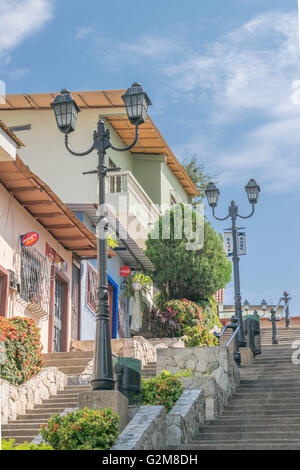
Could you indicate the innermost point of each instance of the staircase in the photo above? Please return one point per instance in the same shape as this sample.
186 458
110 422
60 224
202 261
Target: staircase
27 426
265 411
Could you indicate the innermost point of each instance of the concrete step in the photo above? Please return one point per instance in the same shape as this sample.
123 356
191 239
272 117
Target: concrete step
246 445
250 428
9 434
69 355
255 420
21 425
249 436
67 362
57 404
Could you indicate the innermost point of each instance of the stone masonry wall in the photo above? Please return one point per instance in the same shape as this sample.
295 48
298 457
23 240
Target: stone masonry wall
214 362
16 401
146 431
186 417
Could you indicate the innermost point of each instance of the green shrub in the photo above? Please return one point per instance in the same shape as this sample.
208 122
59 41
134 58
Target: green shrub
199 336
82 430
9 445
23 350
193 323
165 389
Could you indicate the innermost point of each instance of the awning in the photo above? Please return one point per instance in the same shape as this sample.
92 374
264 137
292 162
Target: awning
41 202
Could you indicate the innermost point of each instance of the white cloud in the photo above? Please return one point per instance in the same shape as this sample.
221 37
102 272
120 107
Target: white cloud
253 122
20 18
83 31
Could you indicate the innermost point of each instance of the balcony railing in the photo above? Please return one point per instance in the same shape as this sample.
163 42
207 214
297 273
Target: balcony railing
138 204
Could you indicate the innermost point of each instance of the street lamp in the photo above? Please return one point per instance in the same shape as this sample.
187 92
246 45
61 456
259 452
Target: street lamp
246 305
212 194
264 306
66 113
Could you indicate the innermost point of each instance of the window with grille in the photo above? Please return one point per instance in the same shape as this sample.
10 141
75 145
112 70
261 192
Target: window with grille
35 278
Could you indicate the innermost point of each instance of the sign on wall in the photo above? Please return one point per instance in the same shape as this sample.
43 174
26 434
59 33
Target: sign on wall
241 243
29 238
56 259
125 271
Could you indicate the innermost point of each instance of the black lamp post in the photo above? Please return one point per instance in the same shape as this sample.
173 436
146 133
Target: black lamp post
212 194
286 298
66 112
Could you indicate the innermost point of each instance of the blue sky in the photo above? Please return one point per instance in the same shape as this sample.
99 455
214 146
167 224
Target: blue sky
223 77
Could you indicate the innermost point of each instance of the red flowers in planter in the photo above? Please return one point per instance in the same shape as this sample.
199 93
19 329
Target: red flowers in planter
23 349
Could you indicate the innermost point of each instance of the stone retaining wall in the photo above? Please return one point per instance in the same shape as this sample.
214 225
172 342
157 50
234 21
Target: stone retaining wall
16 401
186 417
214 395
146 431
216 362
136 347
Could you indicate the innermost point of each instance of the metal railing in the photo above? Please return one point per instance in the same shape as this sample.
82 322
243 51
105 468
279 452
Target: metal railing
234 325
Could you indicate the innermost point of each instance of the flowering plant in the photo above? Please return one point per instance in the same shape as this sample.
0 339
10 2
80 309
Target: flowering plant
82 430
165 389
192 322
23 350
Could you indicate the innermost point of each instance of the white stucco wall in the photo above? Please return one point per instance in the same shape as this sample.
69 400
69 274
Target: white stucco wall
16 221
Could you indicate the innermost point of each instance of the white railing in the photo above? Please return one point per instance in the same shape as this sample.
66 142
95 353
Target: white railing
123 182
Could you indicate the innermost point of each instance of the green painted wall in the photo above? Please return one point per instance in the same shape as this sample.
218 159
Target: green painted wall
147 170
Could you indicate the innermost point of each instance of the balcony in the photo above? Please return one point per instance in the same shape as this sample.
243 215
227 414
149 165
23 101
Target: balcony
131 205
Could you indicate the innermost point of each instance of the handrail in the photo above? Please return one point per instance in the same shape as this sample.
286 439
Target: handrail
233 336
234 325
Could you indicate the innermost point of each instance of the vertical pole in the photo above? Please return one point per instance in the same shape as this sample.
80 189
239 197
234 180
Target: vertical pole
287 310
274 328
103 370
237 293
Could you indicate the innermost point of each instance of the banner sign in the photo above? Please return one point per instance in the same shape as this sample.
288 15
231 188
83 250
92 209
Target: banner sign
241 243
228 243
56 259
29 239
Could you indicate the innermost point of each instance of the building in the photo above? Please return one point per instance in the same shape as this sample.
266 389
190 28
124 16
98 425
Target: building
39 261
150 181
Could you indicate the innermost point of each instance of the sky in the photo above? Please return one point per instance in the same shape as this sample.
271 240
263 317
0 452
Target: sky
224 80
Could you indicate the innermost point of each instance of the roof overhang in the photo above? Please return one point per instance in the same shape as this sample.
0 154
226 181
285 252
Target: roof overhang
44 206
110 104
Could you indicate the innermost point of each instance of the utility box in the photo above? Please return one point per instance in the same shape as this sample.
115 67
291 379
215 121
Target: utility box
252 332
129 379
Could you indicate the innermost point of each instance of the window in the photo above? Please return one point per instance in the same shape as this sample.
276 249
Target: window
35 278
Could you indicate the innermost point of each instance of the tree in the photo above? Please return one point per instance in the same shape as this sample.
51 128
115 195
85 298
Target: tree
197 174
182 273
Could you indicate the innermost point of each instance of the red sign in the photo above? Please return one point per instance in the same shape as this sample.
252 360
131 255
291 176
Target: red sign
125 271
29 239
